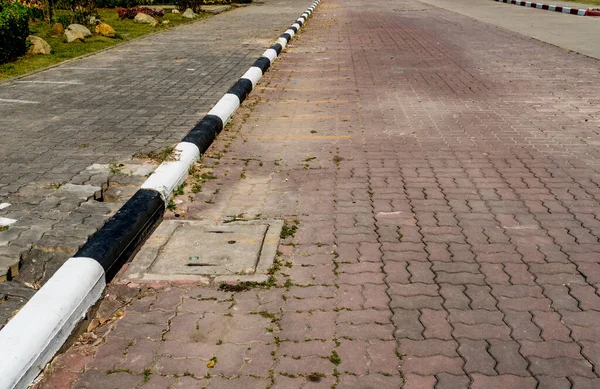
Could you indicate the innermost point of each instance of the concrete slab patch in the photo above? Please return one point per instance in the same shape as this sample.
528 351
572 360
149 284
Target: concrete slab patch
204 251
84 192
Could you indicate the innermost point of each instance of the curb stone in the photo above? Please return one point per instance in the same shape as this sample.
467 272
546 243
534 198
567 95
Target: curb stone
30 340
557 8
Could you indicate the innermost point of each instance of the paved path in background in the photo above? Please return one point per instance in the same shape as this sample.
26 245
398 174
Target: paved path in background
577 33
136 98
444 177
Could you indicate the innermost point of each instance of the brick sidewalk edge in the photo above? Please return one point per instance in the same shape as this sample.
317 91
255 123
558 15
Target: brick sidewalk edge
557 8
30 340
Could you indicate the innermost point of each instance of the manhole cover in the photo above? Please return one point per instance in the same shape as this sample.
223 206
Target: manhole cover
187 250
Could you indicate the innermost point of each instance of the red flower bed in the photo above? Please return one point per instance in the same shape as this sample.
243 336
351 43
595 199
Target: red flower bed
130 13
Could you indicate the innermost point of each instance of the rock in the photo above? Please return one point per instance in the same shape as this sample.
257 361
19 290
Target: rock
145 19
57 29
38 46
164 22
175 11
83 30
73 36
189 14
105 30
215 9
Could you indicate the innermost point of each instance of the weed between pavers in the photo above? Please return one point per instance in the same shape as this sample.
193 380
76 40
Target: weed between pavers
171 206
315 376
115 168
289 229
247 285
335 358
158 156
115 371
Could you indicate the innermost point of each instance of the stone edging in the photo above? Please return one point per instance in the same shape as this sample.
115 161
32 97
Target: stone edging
557 8
38 331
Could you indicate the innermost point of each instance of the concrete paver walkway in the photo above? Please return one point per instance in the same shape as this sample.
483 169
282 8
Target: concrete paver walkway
57 125
444 178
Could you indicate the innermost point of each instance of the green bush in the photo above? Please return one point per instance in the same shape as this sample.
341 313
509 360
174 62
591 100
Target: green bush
14 30
195 4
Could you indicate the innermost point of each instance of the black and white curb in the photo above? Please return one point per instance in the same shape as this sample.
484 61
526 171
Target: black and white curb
30 340
549 7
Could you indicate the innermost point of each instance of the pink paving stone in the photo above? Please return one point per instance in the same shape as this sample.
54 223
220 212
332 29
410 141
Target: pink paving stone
419 382
361 278
305 349
140 356
428 348
103 379
432 365
181 366
308 304
503 382
369 382
383 357
304 366
159 382
364 316
59 379
238 383
350 297
190 382
353 354
283 382
436 324
375 296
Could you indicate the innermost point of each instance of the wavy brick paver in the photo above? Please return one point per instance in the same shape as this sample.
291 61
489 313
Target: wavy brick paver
444 176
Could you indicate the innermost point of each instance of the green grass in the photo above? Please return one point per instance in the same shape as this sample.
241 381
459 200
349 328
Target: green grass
593 2
61 51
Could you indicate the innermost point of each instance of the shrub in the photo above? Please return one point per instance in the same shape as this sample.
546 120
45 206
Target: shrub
130 13
118 3
81 10
195 4
14 30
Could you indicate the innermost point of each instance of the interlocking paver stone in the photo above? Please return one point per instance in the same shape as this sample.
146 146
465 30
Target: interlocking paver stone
443 173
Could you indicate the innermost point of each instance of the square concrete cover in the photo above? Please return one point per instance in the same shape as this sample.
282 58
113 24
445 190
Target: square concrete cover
186 249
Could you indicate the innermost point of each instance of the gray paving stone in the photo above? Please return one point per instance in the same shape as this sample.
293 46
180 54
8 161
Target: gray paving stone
147 95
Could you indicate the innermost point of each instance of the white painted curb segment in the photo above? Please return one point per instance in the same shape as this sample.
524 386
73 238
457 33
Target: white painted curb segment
226 107
170 174
28 343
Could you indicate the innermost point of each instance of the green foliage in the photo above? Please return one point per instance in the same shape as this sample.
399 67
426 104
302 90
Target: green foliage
81 10
14 29
62 51
195 4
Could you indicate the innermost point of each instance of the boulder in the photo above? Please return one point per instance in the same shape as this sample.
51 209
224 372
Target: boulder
38 46
189 14
57 29
215 9
105 30
83 30
145 19
175 11
73 36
